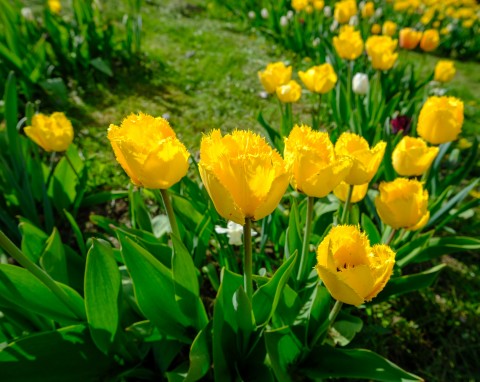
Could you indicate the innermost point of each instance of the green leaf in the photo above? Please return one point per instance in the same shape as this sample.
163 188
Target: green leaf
20 288
33 240
138 211
200 355
371 230
265 299
294 240
330 362
102 294
410 283
438 246
154 290
53 259
78 233
66 354
409 251
102 66
102 197
318 309
345 328
11 110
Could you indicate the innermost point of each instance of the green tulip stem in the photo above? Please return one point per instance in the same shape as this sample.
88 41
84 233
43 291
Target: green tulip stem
171 215
247 260
334 312
71 164
306 239
36 271
51 168
347 204
390 238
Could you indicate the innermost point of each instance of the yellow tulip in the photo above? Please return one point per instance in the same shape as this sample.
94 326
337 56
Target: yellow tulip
290 92
319 79
389 28
409 38
149 151
344 10
444 71
365 160
359 192
412 156
430 40
352 270
368 9
318 4
440 119
403 203
380 50
54 6
243 175
51 133
299 5
375 29
311 162
349 43
276 74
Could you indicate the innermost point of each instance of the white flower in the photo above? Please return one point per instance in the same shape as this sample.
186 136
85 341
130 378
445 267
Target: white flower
378 12
334 26
353 21
284 21
251 15
327 11
316 42
361 5
27 13
290 14
360 83
234 233
264 13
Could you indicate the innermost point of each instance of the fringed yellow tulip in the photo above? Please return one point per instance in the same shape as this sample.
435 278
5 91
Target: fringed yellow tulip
403 203
365 160
290 92
276 74
349 43
412 156
311 162
389 28
440 119
243 175
409 38
344 10
430 40
368 9
380 50
299 5
51 133
444 71
319 79
149 151
359 192
352 270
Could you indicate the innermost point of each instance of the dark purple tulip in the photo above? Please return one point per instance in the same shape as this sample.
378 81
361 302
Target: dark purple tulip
401 123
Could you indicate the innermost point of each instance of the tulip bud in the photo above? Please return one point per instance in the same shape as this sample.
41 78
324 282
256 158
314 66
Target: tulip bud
327 11
360 83
401 123
283 21
290 92
444 71
251 15
27 14
51 133
412 156
264 13
430 40
319 79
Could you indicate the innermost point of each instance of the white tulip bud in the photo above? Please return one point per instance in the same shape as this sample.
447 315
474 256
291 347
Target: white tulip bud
353 21
251 15
316 42
327 11
264 13
27 14
378 12
360 83
290 14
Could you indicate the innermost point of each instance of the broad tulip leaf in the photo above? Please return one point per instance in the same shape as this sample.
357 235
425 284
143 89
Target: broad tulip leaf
102 294
20 288
66 354
329 362
317 310
410 283
77 231
154 290
294 237
438 246
371 230
409 251
265 299
200 355
138 211
288 307
345 328
53 259
33 240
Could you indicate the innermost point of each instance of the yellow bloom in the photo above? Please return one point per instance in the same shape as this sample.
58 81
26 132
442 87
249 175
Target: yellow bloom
409 38
403 203
352 270
51 133
344 10
380 49
365 160
276 74
440 119
464 144
444 31
389 28
368 9
318 4
375 29
290 92
319 79
359 192
149 151
55 6
412 156
444 71
349 43
311 162
299 5
468 23
243 175
430 40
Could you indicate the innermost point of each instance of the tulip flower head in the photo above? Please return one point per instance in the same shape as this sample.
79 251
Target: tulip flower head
243 175
311 162
319 79
276 74
360 83
299 5
349 43
430 40
412 156
389 28
54 6
290 92
440 119
359 192
409 38
365 160
380 50
344 10
403 203
352 270
368 9
234 233
444 71
51 133
149 151
401 123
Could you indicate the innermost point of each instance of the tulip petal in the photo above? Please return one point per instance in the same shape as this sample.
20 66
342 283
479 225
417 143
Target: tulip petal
338 288
422 223
273 197
325 180
381 267
359 278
